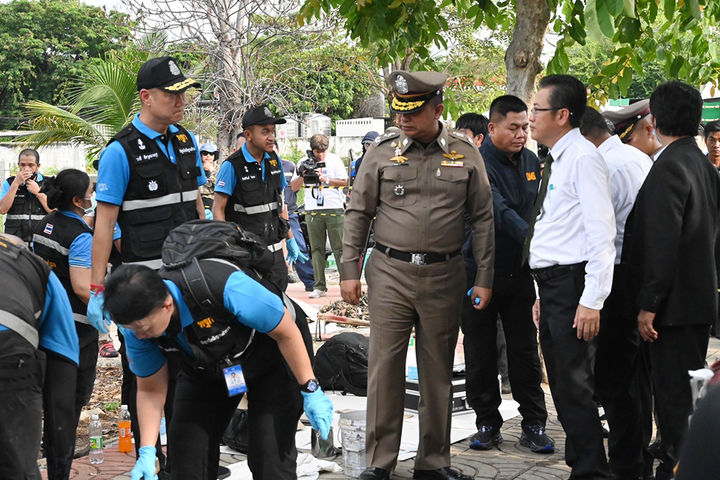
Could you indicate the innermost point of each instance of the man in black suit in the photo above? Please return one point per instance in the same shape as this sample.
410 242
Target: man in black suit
671 238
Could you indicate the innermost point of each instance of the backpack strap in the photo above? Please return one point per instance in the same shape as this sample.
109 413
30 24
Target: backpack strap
197 286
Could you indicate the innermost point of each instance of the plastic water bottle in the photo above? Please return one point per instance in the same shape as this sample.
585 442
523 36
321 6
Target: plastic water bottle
96 440
125 440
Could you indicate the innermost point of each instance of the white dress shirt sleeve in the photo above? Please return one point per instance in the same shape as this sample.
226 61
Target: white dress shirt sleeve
593 189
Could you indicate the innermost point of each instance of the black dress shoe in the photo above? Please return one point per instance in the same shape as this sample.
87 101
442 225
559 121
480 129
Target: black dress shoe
374 473
445 473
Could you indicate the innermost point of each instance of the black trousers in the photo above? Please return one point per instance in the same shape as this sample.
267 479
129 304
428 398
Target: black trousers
512 301
622 383
203 410
67 390
569 363
279 273
676 350
21 375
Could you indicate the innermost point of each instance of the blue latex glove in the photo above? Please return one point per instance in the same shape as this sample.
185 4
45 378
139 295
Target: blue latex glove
294 253
96 314
469 294
319 410
144 468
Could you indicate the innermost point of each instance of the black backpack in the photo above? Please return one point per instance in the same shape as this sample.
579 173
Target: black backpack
342 363
215 239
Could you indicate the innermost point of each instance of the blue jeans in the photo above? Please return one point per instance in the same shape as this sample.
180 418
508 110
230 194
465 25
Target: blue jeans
304 270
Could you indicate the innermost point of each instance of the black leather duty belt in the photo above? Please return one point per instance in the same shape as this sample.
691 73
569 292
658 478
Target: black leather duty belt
416 258
547 273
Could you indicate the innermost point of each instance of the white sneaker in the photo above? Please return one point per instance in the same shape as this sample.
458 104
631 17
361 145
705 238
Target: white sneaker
317 294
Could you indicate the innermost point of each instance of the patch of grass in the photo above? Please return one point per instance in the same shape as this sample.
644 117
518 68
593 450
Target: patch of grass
111 406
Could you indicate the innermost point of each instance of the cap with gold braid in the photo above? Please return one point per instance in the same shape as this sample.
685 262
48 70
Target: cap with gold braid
163 73
412 90
626 118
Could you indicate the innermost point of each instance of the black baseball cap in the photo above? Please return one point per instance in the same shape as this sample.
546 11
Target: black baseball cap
260 115
163 73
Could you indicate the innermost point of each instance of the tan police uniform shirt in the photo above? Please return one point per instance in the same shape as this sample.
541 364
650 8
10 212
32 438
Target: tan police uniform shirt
418 196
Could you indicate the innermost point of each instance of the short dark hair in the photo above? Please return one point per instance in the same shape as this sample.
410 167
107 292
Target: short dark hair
30 151
68 184
504 104
319 142
677 109
566 92
132 292
474 122
593 123
712 127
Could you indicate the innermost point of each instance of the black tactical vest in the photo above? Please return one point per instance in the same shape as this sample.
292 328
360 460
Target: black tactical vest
51 240
216 338
22 297
255 204
26 212
160 194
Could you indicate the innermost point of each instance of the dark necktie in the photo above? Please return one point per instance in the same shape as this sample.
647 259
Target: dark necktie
537 207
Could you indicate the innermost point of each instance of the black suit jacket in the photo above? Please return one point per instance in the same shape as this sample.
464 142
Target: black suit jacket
671 238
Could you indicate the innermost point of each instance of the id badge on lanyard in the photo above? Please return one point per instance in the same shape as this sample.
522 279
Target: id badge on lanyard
234 380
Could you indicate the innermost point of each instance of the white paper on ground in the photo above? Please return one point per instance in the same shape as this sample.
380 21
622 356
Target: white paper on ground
463 425
308 468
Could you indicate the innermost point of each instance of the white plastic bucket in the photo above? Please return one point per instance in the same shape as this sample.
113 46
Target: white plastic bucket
352 437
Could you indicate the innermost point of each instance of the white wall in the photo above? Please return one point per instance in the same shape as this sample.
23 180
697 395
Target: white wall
58 157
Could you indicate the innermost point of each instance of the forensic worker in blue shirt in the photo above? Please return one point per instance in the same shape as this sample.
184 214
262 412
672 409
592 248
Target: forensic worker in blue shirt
249 191
148 175
38 356
21 201
148 179
64 241
253 334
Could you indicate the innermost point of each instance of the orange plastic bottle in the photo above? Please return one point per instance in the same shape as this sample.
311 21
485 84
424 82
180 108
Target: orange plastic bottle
125 442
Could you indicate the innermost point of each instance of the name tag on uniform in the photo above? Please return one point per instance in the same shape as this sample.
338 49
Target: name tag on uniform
449 163
234 380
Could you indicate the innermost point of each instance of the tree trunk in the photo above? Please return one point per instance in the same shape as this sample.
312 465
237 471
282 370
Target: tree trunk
522 57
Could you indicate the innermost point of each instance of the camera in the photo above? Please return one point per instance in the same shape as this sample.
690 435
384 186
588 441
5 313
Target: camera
307 169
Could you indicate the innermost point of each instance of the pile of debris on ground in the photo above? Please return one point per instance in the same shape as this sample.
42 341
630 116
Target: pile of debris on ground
344 313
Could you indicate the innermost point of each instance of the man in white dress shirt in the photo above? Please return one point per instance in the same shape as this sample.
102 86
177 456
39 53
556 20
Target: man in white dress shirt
571 254
619 371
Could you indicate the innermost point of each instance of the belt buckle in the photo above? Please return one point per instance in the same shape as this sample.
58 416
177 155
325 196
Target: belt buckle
417 258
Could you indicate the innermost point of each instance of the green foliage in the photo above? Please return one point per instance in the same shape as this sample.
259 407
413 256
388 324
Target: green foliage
321 74
102 100
45 43
646 41
678 34
111 407
588 61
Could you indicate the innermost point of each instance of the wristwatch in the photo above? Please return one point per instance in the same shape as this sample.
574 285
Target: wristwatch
310 386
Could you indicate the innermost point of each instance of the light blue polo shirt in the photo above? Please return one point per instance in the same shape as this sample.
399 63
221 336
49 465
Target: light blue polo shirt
114 171
252 304
226 181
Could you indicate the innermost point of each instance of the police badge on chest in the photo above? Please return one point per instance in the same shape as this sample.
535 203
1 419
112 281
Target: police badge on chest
152 185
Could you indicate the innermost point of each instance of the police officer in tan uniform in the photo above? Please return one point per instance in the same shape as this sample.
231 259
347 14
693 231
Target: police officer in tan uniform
417 183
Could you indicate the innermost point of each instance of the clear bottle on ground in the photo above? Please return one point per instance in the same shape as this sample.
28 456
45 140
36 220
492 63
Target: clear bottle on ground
96 440
125 439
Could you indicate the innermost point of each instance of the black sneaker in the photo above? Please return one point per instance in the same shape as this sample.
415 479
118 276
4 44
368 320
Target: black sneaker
535 438
485 438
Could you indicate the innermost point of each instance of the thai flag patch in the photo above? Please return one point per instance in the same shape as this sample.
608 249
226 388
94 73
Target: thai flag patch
221 183
48 228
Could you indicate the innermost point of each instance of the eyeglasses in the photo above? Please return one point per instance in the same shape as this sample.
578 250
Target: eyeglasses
207 153
535 110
